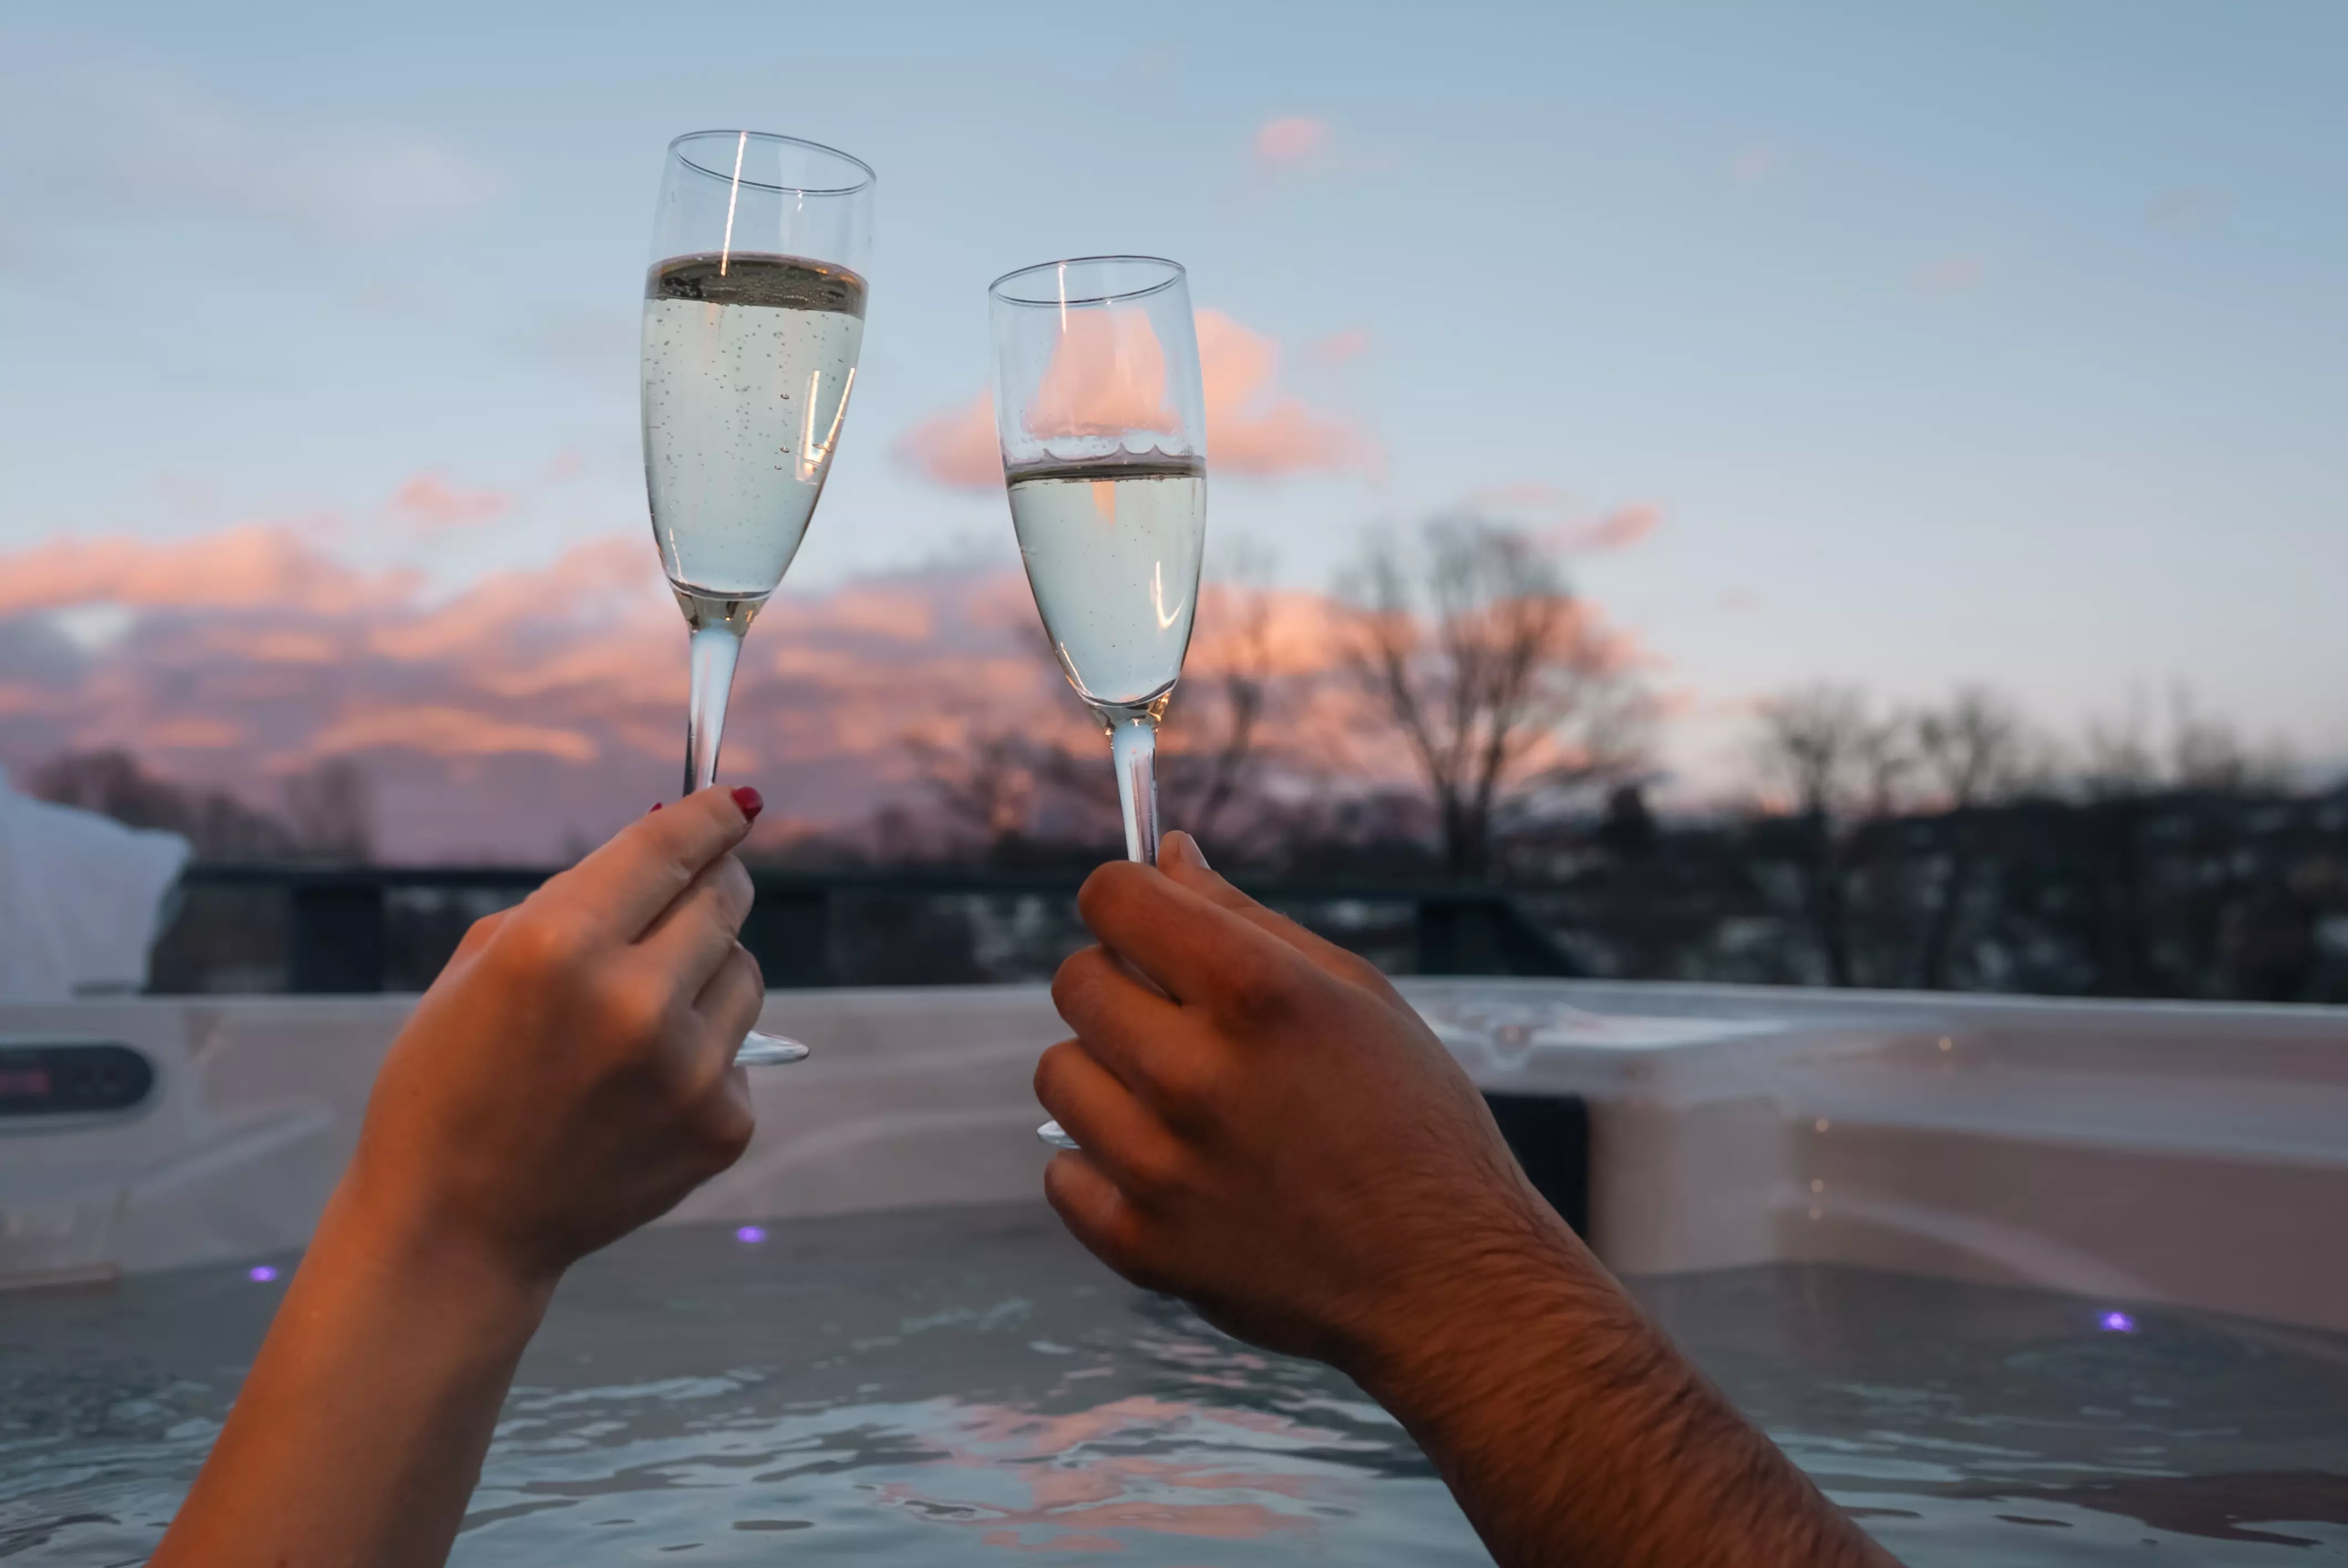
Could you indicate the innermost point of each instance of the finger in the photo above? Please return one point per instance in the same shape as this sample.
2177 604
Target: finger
696 933
476 937
1126 1024
1184 862
728 1007
1101 1113
1193 950
639 872
1099 1216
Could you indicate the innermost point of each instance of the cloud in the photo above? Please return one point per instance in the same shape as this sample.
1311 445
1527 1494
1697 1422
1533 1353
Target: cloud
1289 141
538 705
1252 426
1339 347
532 705
1559 521
1951 275
431 504
1107 377
1621 527
956 447
167 142
248 566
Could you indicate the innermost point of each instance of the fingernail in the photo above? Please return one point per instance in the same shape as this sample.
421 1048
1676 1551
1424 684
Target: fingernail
1196 856
751 801
656 805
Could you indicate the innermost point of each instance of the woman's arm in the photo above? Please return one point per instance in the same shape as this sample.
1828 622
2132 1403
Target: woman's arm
568 1077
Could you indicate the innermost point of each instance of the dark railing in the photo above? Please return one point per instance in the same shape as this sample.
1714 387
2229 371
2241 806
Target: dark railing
371 928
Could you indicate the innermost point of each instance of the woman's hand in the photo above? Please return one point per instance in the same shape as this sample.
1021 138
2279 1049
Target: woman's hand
570 1075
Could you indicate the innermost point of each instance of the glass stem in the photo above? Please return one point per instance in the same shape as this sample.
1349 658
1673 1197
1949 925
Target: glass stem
715 649
1133 745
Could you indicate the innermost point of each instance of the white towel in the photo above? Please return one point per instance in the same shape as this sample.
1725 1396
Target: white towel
80 898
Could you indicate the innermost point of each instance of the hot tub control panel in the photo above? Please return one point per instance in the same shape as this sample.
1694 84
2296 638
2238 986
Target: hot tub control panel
45 1078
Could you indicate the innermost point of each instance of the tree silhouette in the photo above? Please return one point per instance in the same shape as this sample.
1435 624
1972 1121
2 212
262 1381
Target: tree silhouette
1496 676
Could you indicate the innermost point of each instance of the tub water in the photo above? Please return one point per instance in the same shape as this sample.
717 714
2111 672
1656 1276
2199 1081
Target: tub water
965 1385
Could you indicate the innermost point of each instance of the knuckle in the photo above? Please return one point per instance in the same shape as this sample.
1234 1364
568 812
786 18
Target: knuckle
736 893
1108 886
1259 989
639 1008
1050 1071
543 943
1152 1170
727 1130
1075 979
1188 1084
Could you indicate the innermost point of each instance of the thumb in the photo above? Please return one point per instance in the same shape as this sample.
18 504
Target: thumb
1181 859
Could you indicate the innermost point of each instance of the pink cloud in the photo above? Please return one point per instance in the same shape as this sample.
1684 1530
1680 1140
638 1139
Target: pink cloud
1107 376
541 705
1558 520
1339 347
1252 426
1290 141
1951 275
429 504
1756 166
956 447
1623 528
247 566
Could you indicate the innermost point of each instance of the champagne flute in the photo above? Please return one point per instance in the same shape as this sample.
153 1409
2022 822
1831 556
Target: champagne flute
753 314
1101 416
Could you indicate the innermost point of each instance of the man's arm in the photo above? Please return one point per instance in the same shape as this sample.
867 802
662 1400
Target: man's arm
568 1077
1270 1132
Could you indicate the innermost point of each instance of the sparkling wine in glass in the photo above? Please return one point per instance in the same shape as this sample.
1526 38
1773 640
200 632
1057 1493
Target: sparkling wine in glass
1101 419
753 314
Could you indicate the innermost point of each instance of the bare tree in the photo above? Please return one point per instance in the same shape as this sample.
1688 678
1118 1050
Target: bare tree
2193 751
331 810
1841 766
986 787
1975 751
1210 777
1495 675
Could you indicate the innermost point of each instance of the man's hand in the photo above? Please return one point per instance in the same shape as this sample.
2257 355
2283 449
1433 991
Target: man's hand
1268 1130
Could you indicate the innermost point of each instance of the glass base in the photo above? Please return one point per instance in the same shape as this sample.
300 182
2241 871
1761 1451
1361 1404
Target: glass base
1049 1132
762 1049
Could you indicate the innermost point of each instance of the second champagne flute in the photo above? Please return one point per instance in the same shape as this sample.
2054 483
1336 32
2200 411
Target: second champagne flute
754 315
1101 414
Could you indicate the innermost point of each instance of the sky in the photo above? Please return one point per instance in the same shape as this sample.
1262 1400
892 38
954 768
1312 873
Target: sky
2001 342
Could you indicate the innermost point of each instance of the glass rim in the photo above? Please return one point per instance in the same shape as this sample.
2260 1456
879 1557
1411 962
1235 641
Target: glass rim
676 150
1175 273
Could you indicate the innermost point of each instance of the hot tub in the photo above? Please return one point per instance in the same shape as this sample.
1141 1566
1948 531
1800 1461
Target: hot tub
2018 1281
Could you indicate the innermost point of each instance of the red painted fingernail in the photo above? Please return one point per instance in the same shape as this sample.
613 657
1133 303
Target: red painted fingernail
751 801
656 805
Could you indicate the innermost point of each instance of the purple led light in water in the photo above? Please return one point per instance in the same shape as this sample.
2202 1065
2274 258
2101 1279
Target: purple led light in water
2117 1323
260 1274
750 1236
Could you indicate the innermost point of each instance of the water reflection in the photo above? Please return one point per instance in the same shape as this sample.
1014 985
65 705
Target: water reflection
964 1386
